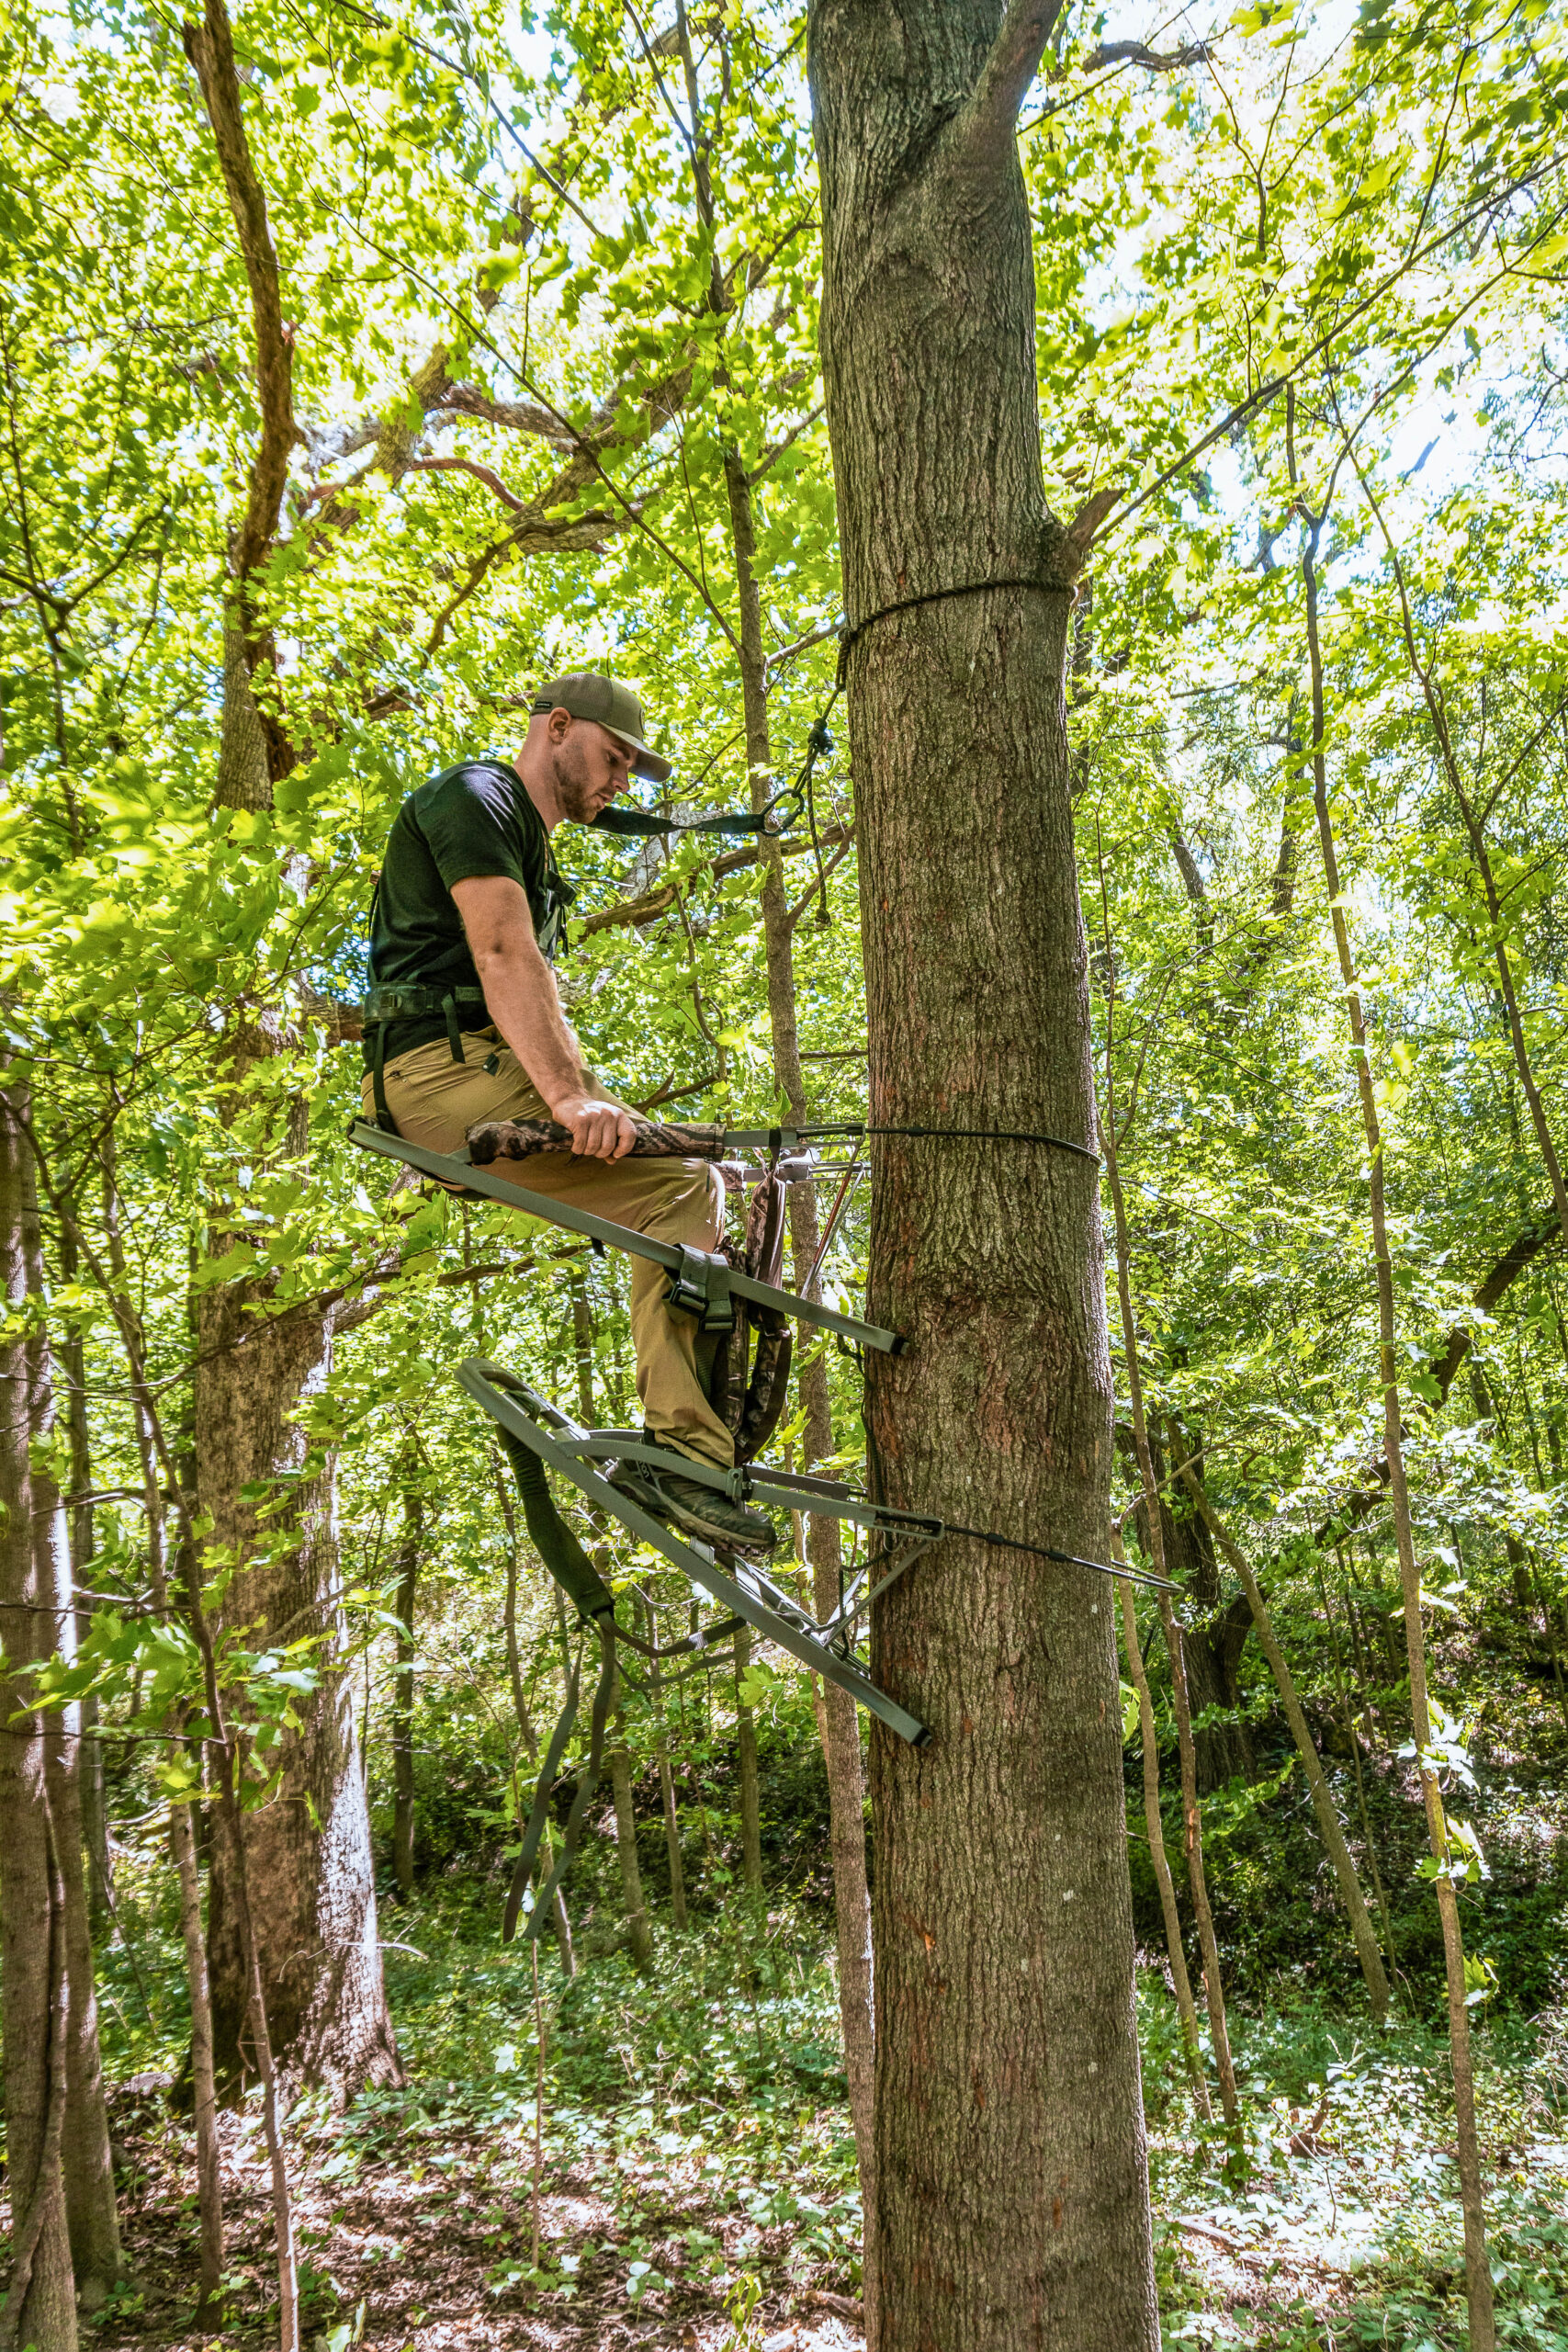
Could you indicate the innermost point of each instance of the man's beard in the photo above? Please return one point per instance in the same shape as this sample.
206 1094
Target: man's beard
575 795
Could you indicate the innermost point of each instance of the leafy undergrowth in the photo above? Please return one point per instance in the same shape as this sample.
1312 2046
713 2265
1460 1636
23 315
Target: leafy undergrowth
696 2174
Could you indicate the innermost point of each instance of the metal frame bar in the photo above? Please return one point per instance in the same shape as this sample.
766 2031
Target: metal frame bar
448 1167
776 1615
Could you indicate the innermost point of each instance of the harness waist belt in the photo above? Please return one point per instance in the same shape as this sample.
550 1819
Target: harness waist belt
406 1000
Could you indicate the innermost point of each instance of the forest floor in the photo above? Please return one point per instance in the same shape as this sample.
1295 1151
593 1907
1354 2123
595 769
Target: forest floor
697 2184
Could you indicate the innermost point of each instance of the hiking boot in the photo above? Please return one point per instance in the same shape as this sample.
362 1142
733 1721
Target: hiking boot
696 1510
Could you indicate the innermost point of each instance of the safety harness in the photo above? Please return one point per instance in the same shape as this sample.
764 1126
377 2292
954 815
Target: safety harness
418 1000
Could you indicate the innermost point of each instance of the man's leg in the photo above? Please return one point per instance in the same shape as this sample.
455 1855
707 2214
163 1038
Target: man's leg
435 1101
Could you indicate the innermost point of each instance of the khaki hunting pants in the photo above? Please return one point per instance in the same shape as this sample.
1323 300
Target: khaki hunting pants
435 1100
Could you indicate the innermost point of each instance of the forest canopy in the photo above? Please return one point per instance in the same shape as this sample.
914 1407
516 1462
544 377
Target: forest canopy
1101 482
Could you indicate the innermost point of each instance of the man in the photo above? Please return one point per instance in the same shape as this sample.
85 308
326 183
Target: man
467 914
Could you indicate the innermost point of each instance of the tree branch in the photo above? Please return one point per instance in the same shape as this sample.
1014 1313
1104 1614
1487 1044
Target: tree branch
210 49
983 132
654 903
491 479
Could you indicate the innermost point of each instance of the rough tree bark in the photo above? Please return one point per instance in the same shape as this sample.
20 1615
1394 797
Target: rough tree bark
39 2306
308 1852
1012 2185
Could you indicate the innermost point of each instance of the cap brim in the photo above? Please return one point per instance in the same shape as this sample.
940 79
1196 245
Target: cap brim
643 762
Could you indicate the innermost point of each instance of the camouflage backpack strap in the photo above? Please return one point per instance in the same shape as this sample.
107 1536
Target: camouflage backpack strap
767 1389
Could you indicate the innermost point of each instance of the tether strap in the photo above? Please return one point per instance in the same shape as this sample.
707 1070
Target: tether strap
553 1539
988 1135
641 824
852 629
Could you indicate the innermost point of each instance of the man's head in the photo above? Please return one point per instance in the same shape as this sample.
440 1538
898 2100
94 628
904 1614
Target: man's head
584 745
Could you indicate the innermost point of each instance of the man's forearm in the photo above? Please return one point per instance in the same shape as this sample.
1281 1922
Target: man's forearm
519 997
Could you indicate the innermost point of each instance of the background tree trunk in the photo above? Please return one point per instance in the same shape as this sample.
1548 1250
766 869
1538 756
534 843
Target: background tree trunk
204 2094
1011 2180
639 1934
403 1692
40 2306
1361 1931
311 1872
80 1522
91 2217
666 1780
1159 1860
746 1759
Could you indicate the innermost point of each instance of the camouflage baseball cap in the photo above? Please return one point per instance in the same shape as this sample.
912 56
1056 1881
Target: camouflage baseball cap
588 695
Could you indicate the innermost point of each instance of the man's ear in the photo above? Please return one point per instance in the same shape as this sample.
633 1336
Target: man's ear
559 721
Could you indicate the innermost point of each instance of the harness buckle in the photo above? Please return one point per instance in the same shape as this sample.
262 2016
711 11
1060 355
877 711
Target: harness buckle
699 1286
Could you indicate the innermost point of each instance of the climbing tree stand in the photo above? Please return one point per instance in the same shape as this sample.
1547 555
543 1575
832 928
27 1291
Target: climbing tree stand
741 1588
538 1437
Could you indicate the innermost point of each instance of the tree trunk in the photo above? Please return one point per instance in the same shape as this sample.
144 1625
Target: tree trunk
1477 2260
560 1918
639 1932
92 2221
39 2306
208 2161
80 1522
1212 1649
91 2217
310 1864
746 1755
1351 1733
666 1781
1012 2179
1333 1837
403 1691
1160 1860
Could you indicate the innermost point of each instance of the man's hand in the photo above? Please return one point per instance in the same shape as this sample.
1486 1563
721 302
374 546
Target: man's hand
598 1130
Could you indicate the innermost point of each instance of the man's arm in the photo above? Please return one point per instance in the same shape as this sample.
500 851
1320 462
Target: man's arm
520 996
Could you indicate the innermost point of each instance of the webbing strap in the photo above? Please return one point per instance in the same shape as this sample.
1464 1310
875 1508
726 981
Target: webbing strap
553 1539
641 824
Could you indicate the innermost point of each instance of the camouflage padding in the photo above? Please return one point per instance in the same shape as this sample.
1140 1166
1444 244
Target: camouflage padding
749 1385
520 1138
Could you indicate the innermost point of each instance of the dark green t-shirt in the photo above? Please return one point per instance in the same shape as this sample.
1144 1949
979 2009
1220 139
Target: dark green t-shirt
470 819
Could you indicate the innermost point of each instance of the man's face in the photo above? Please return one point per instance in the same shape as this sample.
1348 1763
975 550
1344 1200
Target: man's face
591 767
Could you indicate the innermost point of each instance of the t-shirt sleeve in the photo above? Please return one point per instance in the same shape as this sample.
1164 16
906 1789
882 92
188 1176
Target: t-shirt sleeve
472 828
